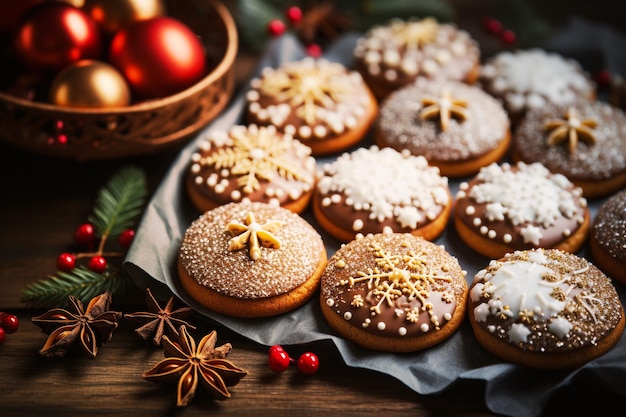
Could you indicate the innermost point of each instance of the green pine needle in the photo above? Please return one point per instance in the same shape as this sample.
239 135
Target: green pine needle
118 205
81 282
120 202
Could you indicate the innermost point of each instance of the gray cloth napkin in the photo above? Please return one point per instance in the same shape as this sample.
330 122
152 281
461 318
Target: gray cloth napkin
510 390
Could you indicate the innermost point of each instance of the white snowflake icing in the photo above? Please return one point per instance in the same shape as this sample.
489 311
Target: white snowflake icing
397 185
531 234
528 291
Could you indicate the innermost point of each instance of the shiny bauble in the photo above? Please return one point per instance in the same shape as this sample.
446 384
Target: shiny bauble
11 13
159 57
90 84
55 34
113 15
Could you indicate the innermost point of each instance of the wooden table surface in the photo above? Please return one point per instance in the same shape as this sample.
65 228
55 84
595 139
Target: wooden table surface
42 201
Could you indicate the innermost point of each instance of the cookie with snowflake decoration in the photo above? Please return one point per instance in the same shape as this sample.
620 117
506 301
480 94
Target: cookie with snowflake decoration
251 259
394 292
608 237
251 163
545 308
457 127
394 55
584 140
321 103
373 190
533 78
522 206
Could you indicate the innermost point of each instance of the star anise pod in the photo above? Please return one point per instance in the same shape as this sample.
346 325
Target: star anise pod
158 321
189 364
91 326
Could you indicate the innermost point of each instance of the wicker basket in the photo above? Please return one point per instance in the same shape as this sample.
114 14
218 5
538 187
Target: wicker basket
140 128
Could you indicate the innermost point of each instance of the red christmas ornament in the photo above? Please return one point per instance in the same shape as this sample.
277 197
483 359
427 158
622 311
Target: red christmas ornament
55 34
12 13
158 56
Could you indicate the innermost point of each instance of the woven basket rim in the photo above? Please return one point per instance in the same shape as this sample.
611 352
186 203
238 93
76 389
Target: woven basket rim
220 69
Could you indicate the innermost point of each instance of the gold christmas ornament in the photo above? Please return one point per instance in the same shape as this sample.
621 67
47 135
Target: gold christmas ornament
113 15
90 84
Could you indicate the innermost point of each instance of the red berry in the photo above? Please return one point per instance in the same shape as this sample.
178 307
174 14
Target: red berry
308 363
493 26
294 14
9 322
2 335
278 360
84 234
603 78
126 237
97 264
276 27
314 50
508 37
66 262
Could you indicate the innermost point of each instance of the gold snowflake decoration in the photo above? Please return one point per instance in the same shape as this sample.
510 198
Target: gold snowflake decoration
308 86
444 107
414 34
572 129
256 154
399 275
254 235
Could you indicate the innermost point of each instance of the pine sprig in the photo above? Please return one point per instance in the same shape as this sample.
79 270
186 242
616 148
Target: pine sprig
81 282
120 202
117 207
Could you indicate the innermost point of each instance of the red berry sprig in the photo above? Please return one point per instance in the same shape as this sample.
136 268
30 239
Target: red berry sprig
279 360
495 28
9 323
85 236
293 15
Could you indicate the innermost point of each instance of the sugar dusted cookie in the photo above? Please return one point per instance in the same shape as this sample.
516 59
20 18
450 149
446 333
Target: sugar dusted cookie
393 55
394 292
251 163
533 78
584 140
251 260
545 308
510 207
608 237
457 127
321 103
373 190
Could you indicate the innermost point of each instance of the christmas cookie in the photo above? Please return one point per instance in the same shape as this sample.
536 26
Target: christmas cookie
608 237
321 103
251 163
523 206
373 190
394 292
393 55
533 78
585 141
457 127
545 308
251 260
